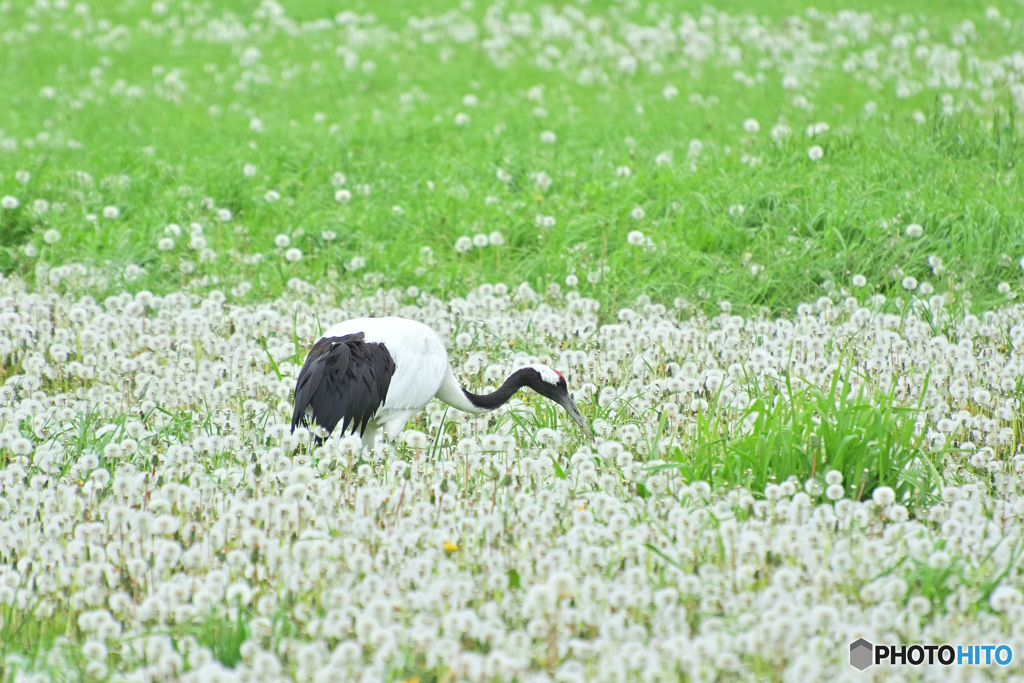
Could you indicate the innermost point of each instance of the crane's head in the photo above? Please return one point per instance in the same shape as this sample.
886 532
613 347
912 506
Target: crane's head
551 384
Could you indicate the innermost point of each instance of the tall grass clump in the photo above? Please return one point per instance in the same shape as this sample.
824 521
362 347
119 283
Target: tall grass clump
803 433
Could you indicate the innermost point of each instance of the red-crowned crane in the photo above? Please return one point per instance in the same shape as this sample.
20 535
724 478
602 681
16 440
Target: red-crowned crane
378 372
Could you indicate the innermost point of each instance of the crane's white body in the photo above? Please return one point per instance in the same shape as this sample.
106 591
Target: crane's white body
421 371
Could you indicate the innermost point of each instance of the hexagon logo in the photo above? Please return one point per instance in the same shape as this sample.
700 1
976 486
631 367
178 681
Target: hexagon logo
861 654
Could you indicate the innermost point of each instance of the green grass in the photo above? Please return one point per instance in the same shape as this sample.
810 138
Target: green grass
808 432
809 224
21 631
223 636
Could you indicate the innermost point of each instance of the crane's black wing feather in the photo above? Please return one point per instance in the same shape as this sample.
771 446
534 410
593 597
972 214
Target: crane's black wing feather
344 379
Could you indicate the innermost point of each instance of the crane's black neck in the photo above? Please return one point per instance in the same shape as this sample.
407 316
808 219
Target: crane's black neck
499 397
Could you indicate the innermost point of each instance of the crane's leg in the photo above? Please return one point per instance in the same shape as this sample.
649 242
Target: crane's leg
393 427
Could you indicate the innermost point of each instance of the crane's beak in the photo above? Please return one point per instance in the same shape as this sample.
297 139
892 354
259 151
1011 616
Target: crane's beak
574 412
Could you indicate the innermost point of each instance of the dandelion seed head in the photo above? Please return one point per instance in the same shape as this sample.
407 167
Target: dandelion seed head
884 496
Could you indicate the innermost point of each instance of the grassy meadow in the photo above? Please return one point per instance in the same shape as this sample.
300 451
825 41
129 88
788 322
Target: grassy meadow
777 252
163 112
